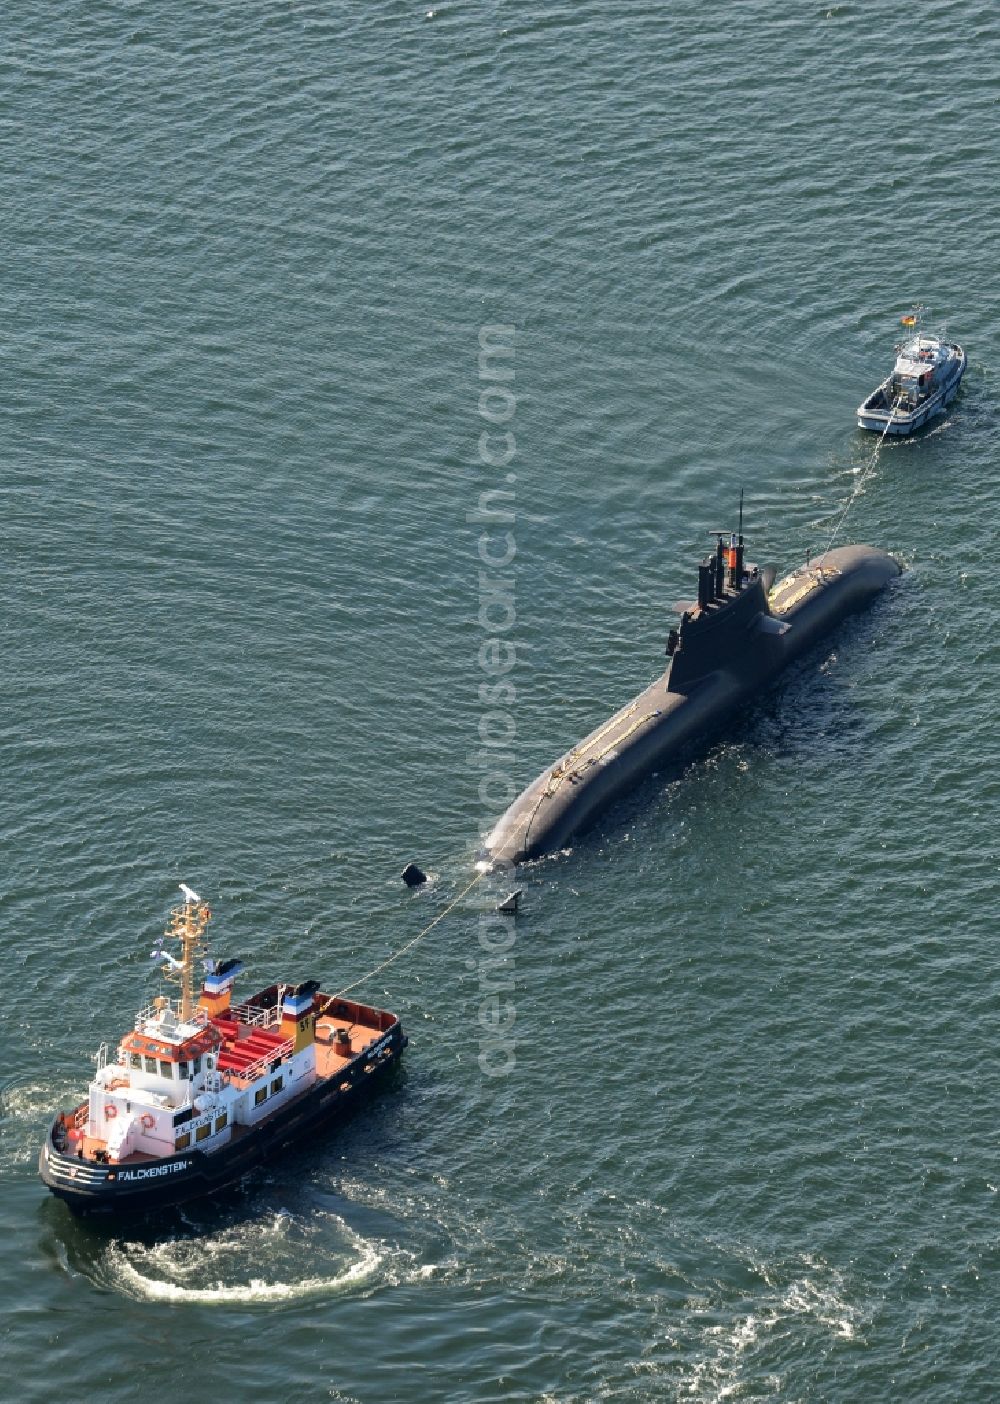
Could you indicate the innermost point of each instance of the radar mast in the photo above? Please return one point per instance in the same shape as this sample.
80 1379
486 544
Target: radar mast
187 925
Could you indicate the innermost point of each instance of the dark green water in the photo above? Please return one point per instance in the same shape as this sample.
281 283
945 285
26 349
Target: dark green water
747 1147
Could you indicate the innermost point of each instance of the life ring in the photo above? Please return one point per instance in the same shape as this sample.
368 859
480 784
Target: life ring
147 1122
110 1111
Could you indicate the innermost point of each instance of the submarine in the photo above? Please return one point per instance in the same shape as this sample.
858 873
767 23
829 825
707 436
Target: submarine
728 647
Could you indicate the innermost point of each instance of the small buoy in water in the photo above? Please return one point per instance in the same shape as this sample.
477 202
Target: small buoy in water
413 876
508 907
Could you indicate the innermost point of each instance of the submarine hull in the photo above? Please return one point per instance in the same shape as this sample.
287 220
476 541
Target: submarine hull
721 666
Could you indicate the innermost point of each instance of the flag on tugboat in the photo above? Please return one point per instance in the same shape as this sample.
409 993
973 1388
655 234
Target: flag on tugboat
909 321
169 962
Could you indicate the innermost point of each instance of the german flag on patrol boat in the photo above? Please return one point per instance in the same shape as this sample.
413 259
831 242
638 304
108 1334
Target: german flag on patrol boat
909 321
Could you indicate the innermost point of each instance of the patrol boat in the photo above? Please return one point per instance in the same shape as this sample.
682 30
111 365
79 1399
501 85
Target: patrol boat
925 378
201 1089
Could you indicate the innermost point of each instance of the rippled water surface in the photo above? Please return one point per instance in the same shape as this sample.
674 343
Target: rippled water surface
747 1148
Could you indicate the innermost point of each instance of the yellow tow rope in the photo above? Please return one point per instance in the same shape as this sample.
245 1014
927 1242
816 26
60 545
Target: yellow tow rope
865 475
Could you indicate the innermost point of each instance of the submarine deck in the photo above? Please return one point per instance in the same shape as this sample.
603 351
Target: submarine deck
794 587
601 746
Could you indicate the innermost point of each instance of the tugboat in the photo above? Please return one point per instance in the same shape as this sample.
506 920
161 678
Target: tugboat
729 647
201 1089
925 378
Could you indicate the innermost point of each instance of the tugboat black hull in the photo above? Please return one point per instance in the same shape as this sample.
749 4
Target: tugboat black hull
124 1189
728 659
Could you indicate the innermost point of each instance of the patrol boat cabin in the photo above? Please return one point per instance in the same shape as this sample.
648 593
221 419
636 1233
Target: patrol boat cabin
925 378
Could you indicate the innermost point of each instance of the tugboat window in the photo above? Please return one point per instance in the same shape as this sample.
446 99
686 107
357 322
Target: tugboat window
203 1132
260 1096
221 1122
136 1060
149 1064
165 1070
277 1084
183 1141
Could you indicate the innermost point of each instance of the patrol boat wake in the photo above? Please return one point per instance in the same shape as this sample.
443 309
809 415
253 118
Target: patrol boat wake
730 645
201 1089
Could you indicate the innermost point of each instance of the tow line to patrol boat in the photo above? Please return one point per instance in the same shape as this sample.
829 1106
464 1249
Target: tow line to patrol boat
866 473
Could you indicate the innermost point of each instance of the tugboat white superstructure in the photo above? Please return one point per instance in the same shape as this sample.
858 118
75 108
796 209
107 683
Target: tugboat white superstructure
925 378
202 1089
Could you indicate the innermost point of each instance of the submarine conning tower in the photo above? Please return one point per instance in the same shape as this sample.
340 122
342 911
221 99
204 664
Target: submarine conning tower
723 628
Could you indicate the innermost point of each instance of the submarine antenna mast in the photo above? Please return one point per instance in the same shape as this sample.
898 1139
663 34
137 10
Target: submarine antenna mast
737 554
